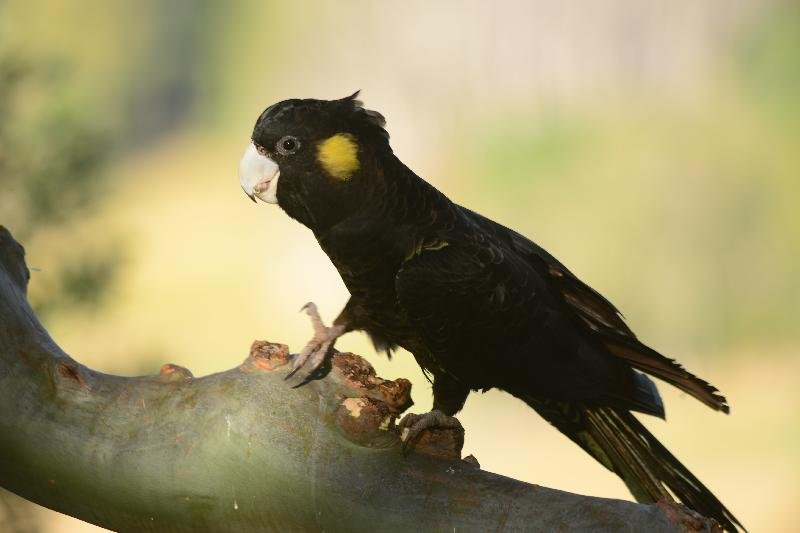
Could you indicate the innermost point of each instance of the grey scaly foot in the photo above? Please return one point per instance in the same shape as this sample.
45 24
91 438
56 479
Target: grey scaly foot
415 424
320 347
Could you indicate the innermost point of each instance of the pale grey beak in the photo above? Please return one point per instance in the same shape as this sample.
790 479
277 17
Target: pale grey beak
258 175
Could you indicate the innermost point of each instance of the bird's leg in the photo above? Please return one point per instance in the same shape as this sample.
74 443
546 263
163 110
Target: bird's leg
320 347
449 396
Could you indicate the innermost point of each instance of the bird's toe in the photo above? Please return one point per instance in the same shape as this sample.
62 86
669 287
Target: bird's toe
412 425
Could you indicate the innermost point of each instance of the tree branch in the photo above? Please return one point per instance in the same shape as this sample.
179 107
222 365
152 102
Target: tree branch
243 451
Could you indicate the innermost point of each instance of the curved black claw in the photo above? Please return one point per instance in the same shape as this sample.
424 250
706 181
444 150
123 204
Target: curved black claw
415 424
319 349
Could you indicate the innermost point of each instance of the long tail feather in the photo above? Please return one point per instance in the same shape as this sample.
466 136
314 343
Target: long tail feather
647 467
616 439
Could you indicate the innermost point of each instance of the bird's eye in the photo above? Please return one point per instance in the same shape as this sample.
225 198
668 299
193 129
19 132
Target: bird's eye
287 145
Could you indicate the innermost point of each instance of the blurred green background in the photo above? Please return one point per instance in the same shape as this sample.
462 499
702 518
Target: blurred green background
653 147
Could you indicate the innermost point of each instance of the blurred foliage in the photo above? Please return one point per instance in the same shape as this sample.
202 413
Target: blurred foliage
167 71
50 158
78 283
769 64
557 142
51 168
60 123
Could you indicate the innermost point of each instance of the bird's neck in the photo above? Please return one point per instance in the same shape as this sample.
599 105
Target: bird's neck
396 200
400 211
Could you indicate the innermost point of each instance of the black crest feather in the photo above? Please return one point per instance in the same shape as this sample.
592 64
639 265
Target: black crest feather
372 119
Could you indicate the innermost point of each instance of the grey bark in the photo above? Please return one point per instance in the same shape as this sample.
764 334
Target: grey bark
243 451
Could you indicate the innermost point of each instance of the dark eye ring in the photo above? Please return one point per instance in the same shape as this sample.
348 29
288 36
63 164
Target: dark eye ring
287 145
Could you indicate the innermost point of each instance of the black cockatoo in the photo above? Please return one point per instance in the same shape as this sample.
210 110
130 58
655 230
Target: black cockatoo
478 305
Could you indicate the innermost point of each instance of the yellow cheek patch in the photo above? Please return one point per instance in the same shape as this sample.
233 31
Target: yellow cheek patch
338 155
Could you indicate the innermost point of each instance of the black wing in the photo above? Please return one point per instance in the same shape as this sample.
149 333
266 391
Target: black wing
490 319
600 318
